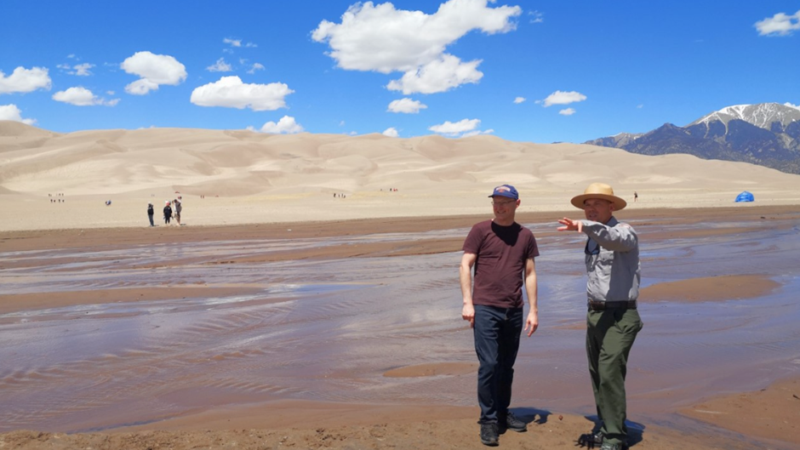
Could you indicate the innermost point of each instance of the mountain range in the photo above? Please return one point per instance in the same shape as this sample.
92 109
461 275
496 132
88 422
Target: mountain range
767 134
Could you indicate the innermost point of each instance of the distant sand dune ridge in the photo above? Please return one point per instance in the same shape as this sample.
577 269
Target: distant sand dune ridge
250 177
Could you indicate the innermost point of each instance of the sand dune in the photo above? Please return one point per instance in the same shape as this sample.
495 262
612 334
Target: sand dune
249 177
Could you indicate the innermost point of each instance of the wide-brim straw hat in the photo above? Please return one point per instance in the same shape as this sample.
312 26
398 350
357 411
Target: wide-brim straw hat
599 190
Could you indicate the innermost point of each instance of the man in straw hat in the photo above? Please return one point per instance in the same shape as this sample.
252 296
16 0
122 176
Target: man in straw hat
502 252
612 266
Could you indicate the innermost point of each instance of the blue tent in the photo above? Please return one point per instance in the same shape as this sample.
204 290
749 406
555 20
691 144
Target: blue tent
745 197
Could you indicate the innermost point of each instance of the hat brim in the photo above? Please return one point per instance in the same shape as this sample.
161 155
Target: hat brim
619 204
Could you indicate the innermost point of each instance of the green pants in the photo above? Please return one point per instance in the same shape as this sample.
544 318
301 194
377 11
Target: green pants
609 338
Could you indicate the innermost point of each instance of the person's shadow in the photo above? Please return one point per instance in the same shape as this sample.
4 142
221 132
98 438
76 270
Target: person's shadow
540 416
531 415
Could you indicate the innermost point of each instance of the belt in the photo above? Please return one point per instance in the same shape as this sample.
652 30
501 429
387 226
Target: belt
602 306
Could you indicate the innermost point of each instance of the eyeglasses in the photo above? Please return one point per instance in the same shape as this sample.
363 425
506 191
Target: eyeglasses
496 203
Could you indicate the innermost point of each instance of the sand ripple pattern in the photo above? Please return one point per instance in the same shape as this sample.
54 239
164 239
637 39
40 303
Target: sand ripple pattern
328 329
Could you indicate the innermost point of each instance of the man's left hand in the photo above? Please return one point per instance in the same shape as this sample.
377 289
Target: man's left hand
532 323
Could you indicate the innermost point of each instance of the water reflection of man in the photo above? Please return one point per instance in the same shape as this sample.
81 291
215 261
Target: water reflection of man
501 251
612 266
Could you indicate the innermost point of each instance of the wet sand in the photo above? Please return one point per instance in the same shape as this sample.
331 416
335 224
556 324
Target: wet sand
770 413
707 289
348 334
43 300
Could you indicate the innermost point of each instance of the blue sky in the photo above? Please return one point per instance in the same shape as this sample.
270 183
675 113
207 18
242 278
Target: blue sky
533 71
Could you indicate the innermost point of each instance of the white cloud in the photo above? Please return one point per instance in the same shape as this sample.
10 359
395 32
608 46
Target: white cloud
563 98
639 106
537 17
220 66
155 70
391 132
251 45
406 105
286 125
71 56
256 66
230 92
383 39
440 75
519 100
233 42
353 133
567 112
791 105
453 129
476 133
80 96
24 80
779 25
110 92
11 112
82 70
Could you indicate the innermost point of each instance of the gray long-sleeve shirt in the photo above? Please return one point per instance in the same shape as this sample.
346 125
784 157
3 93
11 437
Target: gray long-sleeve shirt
612 261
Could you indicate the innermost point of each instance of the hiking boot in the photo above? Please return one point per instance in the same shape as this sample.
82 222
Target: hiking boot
513 423
591 440
489 434
609 446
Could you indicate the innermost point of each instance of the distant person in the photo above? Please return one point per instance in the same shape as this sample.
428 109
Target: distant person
635 196
167 213
502 252
612 266
150 213
178 208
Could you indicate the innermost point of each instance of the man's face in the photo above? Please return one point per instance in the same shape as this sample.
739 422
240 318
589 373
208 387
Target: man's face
504 207
598 210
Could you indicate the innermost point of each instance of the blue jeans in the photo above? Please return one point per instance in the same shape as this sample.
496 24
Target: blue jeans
497 332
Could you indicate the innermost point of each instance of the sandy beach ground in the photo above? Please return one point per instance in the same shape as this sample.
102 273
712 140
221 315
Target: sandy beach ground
347 335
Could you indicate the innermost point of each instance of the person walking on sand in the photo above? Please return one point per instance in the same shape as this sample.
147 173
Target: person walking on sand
635 196
613 269
178 208
501 251
150 213
167 213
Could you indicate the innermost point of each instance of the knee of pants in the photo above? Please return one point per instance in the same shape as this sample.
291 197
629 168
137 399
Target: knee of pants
489 366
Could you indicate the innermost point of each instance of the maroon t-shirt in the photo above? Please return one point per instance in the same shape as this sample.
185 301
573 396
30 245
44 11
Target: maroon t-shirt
499 268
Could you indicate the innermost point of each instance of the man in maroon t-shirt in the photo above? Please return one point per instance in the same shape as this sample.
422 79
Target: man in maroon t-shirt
502 253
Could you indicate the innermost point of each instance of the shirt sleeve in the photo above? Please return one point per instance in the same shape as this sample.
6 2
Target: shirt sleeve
620 238
473 241
533 248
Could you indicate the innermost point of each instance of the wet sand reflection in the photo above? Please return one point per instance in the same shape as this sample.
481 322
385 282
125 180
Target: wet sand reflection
325 319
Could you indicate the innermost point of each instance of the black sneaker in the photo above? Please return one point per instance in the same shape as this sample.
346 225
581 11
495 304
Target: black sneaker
610 446
513 423
591 440
489 434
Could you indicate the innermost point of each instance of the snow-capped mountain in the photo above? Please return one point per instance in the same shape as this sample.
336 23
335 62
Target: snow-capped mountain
767 134
762 115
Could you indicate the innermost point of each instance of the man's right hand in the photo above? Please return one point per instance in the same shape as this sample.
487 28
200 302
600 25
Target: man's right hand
570 225
468 313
